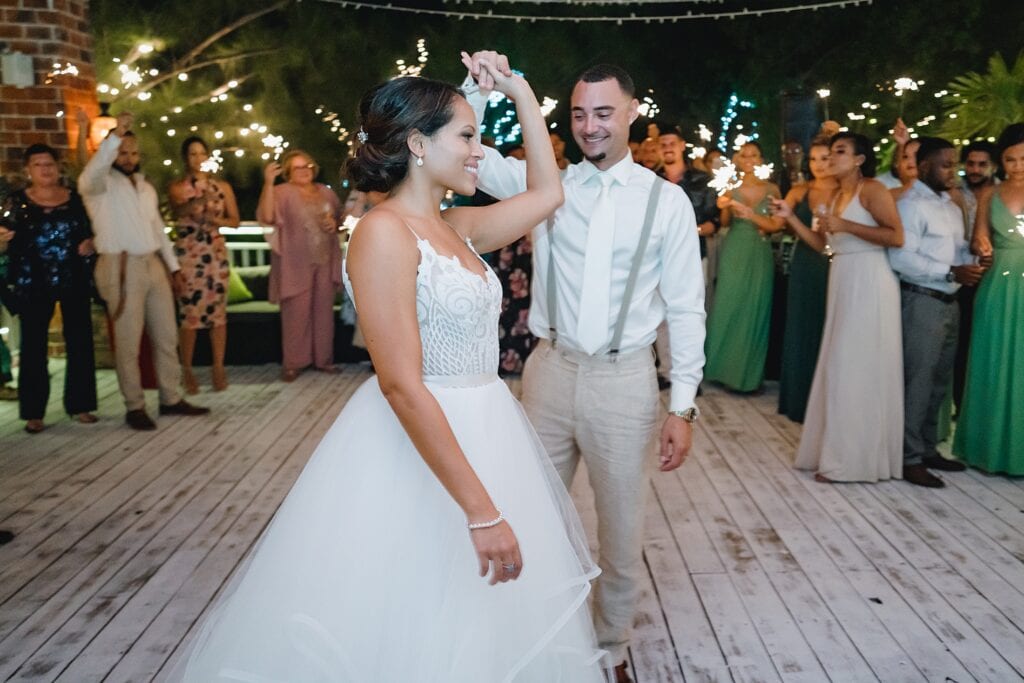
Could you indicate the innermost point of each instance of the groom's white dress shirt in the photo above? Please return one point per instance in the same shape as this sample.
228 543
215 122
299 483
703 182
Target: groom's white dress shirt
670 282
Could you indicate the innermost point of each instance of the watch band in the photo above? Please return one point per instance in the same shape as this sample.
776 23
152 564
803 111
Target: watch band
690 414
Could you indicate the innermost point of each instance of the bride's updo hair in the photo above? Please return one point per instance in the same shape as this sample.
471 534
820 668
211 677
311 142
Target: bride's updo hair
388 114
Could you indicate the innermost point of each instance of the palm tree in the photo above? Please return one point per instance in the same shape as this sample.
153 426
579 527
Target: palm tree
982 105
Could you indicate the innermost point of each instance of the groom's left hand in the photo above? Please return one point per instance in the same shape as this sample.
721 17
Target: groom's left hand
676 439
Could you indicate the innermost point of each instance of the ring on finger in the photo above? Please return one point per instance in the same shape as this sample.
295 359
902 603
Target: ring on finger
509 568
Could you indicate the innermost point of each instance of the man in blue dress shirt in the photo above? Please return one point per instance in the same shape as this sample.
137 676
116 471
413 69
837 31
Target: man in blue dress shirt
933 263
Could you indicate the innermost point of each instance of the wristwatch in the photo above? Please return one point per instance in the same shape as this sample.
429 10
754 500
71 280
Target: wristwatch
690 414
950 277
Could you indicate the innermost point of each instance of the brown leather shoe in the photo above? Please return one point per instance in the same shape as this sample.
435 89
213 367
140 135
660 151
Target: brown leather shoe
183 407
937 462
138 419
622 673
920 476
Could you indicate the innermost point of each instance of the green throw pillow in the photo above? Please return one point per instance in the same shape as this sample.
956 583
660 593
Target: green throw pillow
237 291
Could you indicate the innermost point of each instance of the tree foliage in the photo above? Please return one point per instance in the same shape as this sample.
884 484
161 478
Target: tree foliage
311 53
983 104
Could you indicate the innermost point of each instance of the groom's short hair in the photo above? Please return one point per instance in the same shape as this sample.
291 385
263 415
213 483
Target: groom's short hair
606 72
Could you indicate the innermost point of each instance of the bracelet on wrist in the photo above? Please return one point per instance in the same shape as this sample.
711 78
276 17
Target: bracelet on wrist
486 525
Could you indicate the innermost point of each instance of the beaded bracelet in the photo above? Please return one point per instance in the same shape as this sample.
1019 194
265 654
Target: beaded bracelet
487 525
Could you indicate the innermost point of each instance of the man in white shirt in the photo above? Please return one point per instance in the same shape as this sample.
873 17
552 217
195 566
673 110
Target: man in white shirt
933 263
133 272
600 289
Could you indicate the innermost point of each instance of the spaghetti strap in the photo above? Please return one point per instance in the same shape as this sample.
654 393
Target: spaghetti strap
409 227
464 239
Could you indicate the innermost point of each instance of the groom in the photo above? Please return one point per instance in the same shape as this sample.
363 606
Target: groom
619 257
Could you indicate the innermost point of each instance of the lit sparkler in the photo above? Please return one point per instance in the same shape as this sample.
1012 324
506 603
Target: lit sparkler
705 133
764 171
698 153
725 178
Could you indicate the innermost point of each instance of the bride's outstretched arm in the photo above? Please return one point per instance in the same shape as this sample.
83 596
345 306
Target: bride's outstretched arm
492 227
382 263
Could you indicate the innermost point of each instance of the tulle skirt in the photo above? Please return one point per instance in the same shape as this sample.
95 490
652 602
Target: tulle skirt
367 573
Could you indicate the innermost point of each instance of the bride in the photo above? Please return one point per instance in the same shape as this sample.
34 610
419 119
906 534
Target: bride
428 538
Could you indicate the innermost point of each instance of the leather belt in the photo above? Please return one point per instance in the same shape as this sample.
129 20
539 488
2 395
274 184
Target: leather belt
933 293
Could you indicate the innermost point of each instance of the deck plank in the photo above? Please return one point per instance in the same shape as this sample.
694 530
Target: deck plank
753 571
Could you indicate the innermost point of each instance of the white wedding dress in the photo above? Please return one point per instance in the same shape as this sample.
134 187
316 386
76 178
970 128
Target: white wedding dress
367 573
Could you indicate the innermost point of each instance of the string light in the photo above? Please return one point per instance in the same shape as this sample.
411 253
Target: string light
689 15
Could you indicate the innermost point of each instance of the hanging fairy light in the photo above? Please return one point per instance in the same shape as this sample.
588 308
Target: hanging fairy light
405 69
130 77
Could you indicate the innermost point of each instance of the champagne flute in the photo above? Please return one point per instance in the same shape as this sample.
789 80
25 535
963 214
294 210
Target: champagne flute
820 212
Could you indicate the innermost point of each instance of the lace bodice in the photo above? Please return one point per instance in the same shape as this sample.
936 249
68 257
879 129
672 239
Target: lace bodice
457 312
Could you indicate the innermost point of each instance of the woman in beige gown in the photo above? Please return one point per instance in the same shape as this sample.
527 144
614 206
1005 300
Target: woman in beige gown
853 430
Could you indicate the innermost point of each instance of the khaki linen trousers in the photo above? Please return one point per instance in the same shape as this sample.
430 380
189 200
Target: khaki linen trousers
606 411
149 304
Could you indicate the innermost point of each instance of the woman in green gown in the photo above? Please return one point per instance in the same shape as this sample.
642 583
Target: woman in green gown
990 431
737 336
808 284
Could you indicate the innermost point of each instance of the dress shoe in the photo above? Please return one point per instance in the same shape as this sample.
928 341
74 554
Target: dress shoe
137 419
183 407
622 673
937 462
288 375
34 426
920 476
86 418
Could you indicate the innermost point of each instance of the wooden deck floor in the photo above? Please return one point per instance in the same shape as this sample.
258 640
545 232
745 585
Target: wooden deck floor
755 572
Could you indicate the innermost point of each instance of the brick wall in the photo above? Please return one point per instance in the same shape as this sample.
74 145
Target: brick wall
49 31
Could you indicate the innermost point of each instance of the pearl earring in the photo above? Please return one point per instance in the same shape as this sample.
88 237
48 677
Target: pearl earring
419 161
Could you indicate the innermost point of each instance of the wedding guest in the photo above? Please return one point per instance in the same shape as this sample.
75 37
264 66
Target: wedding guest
906 164
713 160
650 155
737 342
7 392
48 239
558 144
808 286
989 433
979 165
134 271
932 263
305 260
705 208
589 387
853 428
202 205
